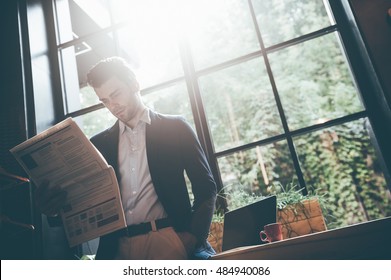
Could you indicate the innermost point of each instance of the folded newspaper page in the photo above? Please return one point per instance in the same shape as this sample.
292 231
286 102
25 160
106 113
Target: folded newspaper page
65 157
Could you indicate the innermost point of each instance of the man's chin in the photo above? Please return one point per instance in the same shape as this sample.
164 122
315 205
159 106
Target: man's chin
120 115
122 118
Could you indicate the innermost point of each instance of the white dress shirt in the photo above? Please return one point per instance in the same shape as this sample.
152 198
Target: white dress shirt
139 199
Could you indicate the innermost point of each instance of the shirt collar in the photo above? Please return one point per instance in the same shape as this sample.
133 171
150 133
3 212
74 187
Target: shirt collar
145 117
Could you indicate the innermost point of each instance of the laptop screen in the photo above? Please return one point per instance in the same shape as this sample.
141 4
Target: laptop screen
242 225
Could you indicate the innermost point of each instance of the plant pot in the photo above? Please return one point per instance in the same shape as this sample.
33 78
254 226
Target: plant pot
215 237
301 219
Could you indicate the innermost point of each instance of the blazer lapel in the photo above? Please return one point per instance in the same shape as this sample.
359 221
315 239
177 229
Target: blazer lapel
152 144
151 139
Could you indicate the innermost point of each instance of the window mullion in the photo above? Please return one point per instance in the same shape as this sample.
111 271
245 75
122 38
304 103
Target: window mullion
199 114
284 122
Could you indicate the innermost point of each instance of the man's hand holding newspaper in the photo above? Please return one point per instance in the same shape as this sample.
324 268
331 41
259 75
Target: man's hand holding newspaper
73 180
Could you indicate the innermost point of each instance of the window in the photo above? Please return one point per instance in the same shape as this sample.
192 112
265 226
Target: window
266 84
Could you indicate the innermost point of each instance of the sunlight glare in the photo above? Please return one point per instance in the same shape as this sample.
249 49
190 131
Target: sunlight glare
154 29
95 11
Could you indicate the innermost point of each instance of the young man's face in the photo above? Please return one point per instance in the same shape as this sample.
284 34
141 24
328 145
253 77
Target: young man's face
121 99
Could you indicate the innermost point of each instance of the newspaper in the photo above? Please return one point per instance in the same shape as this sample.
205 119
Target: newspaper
65 157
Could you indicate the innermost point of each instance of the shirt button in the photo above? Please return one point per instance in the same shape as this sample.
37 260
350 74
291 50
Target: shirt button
133 149
134 192
130 212
133 169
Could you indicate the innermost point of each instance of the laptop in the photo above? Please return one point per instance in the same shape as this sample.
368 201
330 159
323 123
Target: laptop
242 225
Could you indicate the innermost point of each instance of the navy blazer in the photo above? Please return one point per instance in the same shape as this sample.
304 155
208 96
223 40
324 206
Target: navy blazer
172 148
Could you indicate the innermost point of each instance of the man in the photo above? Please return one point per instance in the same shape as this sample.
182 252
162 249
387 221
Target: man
149 152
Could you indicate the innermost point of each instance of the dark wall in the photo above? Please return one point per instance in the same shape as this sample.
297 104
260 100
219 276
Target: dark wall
12 121
27 108
375 26
17 242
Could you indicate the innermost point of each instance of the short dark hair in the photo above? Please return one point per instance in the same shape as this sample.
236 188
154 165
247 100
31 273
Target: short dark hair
110 67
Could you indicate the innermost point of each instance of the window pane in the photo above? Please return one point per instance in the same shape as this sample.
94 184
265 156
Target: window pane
314 82
95 122
240 105
341 161
155 11
88 97
76 65
220 30
173 100
77 18
283 20
250 172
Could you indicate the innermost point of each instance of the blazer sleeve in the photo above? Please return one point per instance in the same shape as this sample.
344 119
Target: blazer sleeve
202 182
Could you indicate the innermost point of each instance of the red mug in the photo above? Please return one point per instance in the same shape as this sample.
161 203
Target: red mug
271 233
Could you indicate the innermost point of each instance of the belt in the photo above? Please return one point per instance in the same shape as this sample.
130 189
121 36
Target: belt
144 228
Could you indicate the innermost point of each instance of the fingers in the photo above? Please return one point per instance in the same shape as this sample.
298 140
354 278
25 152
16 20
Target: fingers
49 200
54 203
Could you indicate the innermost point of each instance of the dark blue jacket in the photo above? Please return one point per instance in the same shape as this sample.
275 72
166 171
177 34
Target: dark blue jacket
172 148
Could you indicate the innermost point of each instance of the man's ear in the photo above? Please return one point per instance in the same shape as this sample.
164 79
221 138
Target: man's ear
134 85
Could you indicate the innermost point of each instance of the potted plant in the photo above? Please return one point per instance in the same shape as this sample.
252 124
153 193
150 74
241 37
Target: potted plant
299 213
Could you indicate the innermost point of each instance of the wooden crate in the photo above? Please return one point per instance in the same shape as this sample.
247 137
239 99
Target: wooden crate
301 219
